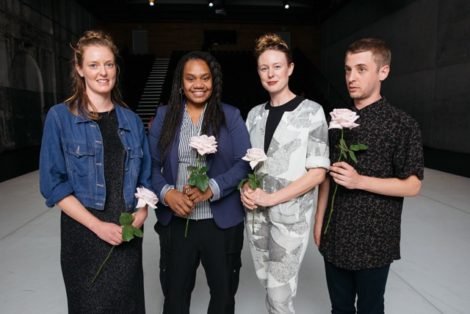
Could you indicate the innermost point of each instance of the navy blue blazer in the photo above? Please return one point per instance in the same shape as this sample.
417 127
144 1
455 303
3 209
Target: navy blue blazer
226 166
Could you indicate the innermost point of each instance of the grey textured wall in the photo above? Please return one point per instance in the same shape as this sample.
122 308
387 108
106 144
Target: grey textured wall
430 41
34 64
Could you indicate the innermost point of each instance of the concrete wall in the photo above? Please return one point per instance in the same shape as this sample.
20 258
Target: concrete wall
34 64
430 42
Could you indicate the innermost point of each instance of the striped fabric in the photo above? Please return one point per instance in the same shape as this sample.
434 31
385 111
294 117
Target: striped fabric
187 156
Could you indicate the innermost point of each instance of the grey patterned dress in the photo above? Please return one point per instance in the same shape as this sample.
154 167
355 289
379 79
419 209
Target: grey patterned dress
278 235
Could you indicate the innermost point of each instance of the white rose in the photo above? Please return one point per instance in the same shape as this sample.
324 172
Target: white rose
203 144
146 197
255 156
343 118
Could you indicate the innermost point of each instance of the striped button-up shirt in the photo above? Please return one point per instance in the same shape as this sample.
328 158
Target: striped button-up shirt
188 156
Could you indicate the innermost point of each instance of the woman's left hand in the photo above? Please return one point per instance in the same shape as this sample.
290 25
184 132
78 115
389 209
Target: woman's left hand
261 197
139 217
197 195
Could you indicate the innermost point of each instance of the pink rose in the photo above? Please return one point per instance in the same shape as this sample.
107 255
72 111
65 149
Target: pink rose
255 156
203 144
146 197
343 118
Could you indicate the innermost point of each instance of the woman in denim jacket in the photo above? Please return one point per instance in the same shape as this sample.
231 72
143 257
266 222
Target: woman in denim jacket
94 154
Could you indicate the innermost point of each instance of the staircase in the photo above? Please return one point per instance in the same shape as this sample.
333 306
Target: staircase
150 97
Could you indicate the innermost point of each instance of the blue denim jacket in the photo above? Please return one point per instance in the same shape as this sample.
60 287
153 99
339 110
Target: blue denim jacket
71 158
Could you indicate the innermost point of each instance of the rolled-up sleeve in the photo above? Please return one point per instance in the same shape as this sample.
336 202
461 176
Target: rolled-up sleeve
53 179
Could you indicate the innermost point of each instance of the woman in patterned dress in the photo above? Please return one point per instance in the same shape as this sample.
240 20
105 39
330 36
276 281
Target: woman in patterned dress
293 133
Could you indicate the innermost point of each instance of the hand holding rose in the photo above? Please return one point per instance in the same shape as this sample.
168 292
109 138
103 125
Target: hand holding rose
345 175
341 172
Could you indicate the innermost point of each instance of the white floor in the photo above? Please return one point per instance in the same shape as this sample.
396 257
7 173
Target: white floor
432 277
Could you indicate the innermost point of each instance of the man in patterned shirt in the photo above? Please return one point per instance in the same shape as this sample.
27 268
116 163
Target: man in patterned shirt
363 236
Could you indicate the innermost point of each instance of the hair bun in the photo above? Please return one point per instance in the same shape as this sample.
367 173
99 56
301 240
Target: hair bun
271 41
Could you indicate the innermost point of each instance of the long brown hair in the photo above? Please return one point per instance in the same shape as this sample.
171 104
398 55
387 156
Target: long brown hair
79 102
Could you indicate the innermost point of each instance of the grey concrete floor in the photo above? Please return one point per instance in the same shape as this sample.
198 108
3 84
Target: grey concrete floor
433 275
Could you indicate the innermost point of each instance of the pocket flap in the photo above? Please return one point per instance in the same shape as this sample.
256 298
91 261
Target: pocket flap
79 149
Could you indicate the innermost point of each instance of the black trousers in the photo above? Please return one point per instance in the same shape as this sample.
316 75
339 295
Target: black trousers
368 285
219 252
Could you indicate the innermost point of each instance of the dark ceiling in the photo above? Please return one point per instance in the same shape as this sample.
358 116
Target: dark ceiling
259 11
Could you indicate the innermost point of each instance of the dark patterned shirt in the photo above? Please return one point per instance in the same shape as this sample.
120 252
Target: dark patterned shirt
364 231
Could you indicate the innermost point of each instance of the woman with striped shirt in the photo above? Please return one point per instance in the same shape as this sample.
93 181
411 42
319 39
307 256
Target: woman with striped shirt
215 234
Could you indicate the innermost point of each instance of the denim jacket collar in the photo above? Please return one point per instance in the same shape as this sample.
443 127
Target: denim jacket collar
123 122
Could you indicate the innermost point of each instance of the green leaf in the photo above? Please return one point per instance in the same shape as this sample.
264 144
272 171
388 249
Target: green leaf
126 219
201 181
138 232
127 233
343 153
202 185
254 182
191 168
353 156
342 144
358 147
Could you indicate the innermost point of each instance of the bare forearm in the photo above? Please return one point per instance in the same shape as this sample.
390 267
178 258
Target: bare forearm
73 208
322 203
390 186
139 216
305 183
345 175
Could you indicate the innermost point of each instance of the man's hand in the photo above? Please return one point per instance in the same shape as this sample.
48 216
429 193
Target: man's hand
345 175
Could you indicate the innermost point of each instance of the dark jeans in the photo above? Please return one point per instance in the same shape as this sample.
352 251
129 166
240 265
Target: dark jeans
367 284
219 252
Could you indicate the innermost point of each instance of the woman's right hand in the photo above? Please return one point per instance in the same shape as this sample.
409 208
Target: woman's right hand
109 232
245 192
179 202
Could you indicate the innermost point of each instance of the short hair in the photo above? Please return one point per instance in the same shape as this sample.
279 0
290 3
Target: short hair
271 41
379 48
